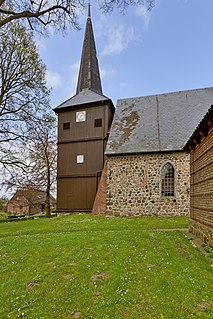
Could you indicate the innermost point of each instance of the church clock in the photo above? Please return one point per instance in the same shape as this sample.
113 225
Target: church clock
81 116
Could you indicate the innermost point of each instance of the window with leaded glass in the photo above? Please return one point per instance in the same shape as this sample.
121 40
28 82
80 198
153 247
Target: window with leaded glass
167 180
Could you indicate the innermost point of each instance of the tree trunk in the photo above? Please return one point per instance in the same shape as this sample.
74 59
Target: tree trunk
47 203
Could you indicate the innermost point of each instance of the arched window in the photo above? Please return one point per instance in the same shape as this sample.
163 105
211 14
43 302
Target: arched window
167 180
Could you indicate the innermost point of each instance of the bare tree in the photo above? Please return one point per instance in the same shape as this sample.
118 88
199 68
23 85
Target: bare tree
41 13
59 14
122 5
39 153
42 145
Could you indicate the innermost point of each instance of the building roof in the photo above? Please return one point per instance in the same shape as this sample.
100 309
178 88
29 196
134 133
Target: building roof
33 196
201 130
157 123
89 76
84 97
89 89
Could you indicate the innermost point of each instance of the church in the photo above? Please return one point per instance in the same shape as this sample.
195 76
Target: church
129 160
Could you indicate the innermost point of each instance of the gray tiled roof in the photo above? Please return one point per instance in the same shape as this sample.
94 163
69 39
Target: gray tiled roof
203 126
33 196
83 97
156 123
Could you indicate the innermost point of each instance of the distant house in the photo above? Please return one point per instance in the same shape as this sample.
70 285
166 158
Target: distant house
200 146
28 201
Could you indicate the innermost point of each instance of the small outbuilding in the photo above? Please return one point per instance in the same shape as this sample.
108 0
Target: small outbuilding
200 146
28 201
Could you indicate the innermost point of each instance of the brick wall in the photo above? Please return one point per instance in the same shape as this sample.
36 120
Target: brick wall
201 183
18 206
99 206
133 185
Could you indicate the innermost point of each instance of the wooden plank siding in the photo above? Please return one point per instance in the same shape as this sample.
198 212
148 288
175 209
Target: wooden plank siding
201 181
77 183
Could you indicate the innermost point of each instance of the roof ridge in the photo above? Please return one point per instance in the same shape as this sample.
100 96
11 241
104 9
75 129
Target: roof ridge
165 93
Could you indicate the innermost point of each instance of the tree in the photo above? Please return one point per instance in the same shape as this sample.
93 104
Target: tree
40 153
40 14
56 13
42 157
3 202
109 5
27 145
23 91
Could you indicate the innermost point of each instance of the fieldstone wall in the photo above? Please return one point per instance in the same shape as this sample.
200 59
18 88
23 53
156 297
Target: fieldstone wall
133 185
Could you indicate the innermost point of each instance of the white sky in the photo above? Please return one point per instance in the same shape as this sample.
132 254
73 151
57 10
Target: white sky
140 53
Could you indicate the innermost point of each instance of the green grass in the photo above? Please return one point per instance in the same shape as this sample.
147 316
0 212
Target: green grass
102 268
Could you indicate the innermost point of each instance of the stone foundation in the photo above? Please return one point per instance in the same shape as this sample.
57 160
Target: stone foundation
203 232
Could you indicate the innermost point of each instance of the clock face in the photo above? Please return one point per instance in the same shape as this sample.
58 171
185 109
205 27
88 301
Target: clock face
81 116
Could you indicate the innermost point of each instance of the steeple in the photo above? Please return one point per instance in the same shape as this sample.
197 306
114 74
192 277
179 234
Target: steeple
89 76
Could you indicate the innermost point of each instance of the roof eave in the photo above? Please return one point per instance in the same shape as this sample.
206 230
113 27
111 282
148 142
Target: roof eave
143 152
204 126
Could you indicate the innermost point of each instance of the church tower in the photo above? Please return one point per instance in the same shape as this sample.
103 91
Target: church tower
83 125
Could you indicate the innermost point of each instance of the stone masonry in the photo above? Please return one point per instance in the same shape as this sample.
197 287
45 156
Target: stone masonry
133 185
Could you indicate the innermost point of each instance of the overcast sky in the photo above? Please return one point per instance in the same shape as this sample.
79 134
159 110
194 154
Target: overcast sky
140 53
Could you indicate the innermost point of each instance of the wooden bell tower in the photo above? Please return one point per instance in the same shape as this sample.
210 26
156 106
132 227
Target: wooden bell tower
83 124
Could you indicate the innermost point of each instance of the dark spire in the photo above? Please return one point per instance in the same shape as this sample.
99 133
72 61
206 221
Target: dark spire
89 15
89 76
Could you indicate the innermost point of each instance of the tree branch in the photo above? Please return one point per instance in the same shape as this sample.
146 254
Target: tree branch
29 14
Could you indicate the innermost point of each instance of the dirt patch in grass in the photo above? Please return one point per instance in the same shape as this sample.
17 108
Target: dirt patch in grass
98 294
68 277
204 305
77 315
31 285
149 266
99 276
72 264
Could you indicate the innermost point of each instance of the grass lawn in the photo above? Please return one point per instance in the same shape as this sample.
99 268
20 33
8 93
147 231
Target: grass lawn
89 267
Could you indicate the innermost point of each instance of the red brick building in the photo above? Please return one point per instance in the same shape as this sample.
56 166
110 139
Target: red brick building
28 201
200 146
